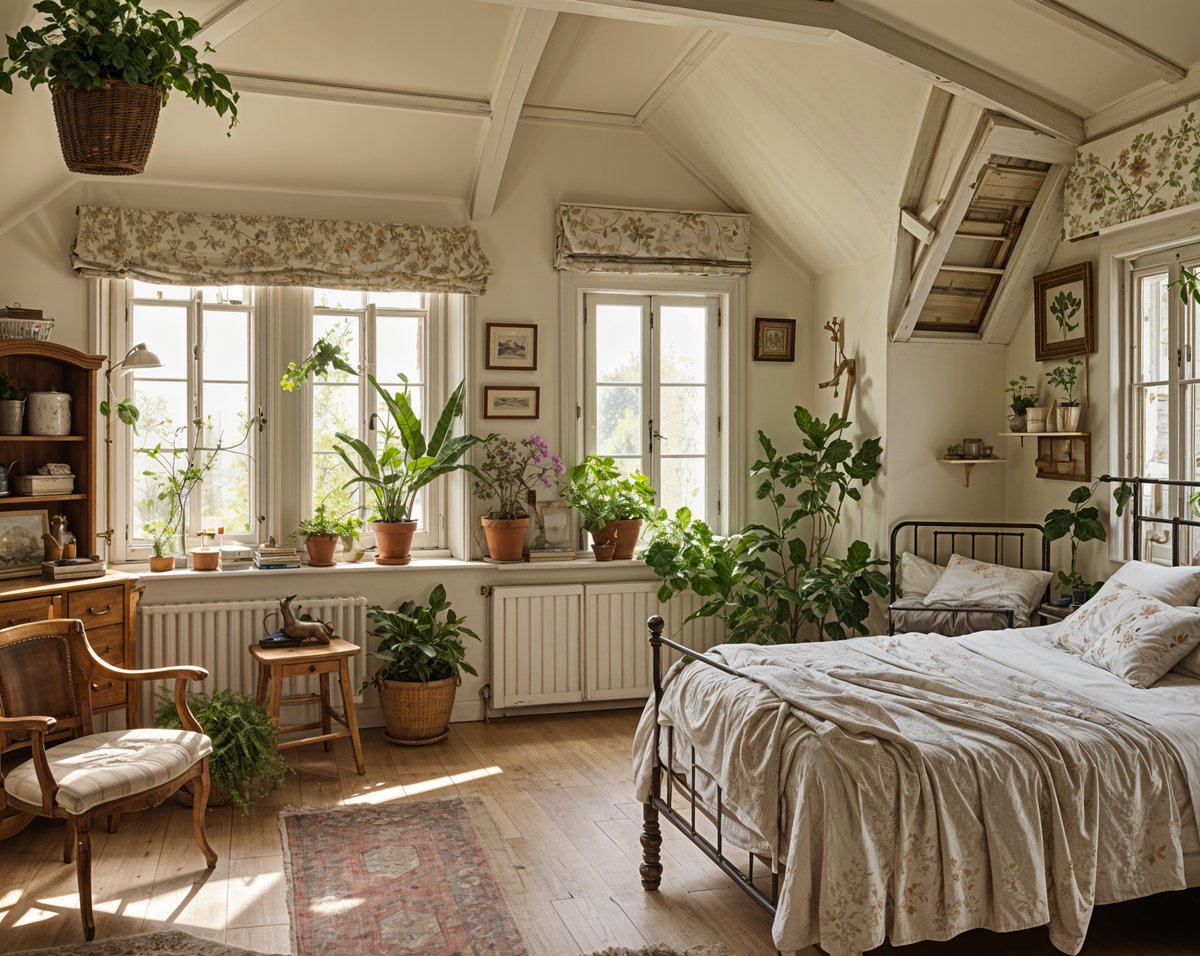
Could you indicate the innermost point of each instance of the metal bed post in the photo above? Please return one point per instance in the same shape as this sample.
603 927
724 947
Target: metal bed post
651 839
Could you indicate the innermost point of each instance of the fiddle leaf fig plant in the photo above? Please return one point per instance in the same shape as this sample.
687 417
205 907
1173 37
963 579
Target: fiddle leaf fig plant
1081 522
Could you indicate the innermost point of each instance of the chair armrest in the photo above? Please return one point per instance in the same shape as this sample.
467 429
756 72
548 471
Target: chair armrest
37 727
154 673
41 725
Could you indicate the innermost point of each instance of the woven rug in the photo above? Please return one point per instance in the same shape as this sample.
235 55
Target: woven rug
405 878
170 943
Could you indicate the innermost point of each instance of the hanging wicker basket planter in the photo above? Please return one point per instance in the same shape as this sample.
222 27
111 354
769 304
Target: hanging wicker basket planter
107 131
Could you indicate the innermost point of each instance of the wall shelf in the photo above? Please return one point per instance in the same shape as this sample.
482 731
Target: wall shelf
1024 435
969 463
1064 456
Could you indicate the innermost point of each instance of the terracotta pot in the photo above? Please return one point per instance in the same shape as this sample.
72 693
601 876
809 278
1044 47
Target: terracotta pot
626 531
505 537
603 550
205 559
393 541
164 562
416 713
320 550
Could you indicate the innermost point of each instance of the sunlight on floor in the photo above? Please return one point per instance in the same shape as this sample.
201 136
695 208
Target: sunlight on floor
425 786
332 905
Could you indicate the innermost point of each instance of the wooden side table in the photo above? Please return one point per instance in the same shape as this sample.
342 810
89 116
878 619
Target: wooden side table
312 660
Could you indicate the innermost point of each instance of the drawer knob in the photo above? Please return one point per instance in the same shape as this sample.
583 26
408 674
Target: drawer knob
97 686
312 668
100 610
107 650
12 621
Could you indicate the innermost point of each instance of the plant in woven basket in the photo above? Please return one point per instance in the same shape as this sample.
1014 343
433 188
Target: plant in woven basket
244 760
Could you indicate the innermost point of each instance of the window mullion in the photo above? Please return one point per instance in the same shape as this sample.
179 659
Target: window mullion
196 433
652 386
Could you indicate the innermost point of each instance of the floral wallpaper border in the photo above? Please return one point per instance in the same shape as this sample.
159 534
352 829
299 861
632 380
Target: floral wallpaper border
189 248
613 239
1137 172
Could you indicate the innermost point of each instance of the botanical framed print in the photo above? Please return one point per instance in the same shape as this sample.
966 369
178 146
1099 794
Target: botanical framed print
511 346
774 340
21 549
1064 312
500 401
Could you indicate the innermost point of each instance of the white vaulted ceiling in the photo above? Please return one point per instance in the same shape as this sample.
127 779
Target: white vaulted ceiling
812 133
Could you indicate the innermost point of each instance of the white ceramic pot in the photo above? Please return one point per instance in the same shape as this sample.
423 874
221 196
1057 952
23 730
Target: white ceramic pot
1068 418
48 413
12 410
1036 418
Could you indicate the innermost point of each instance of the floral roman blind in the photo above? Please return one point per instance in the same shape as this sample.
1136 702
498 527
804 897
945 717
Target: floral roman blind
197 248
1137 172
611 239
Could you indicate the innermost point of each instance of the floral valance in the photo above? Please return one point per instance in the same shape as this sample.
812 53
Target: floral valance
611 239
1137 172
198 248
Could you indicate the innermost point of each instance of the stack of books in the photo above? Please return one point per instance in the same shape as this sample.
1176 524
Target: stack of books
270 557
234 557
551 554
71 569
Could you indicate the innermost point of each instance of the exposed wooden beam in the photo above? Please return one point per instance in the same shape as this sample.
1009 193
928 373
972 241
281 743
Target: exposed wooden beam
700 51
529 37
358 95
562 116
237 16
1108 38
1141 105
825 20
916 227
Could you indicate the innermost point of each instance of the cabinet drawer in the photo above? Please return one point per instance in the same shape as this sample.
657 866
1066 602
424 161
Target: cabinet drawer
109 643
25 610
107 693
97 607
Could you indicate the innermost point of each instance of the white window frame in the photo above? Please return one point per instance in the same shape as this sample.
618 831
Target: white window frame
731 340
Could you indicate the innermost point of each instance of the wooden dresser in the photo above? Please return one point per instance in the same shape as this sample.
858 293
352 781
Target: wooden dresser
108 608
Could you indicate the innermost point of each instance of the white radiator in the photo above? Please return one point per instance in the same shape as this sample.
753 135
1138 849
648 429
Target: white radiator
217 634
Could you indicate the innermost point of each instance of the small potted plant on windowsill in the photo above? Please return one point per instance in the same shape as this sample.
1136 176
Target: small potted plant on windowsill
509 477
1021 397
1064 377
161 534
613 505
422 657
322 532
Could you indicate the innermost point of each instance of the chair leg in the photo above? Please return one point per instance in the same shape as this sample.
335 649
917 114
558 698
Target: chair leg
326 721
83 873
350 714
199 807
69 842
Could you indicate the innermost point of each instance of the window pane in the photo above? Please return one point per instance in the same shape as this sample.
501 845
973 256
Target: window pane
618 343
619 419
225 494
682 427
226 414
682 485
416 397
342 330
396 300
682 342
227 345
164 330
338 299
329 475
146 506
164 409
335 409
1153 416
1153 343
398 347
148 290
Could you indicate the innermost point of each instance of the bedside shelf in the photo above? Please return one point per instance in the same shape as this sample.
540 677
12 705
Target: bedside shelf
969 463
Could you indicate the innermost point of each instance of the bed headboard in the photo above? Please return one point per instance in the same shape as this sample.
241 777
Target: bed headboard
1137 519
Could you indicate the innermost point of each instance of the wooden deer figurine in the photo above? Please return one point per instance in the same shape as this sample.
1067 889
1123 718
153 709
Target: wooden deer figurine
317 631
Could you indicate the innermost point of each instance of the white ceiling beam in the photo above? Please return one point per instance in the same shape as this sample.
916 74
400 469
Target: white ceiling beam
700 51
358 95
823 20
237 16
917 227
1141 105
1108 38
562 116
527 42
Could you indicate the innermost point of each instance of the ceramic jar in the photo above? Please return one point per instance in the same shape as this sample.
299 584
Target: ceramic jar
48 413
12 411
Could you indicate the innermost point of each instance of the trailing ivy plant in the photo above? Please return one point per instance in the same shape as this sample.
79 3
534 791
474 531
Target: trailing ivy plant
85 42
1081 522
327 353
771 579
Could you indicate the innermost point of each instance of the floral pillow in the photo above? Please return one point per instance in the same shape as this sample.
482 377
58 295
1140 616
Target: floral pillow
969 582
1130 634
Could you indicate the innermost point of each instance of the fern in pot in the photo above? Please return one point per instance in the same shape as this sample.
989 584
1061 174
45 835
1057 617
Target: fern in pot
613 505
322 532
421 659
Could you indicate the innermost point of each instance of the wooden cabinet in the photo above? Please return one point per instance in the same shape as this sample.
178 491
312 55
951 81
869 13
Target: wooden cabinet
107 606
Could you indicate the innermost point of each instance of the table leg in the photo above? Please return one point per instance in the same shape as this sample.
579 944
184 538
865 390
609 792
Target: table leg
351 715
326 720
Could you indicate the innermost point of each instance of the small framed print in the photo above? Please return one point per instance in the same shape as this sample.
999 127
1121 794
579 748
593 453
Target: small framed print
774 340
1064 313
21 547
511 346
502 402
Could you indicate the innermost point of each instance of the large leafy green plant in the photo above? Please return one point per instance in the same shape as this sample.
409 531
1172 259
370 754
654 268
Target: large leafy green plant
771 579
1081 522
85 42
407 462
418 643
601 492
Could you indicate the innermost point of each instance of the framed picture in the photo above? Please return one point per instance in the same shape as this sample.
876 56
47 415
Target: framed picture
511 346
502 402
1064 312
21 550
774 340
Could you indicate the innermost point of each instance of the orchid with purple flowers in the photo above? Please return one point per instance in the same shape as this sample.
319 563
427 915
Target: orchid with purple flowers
512 472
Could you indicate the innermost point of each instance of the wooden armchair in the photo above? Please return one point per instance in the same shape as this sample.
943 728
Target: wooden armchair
46 670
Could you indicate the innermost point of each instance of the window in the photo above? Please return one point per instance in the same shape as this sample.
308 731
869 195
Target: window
650 394
203 394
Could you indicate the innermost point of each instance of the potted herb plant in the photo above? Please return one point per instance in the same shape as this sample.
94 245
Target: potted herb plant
1021 397
1081 522
509 477
348 529
321 533
613 505
1065 377
244 760
406 463
422 657
111 65
12 407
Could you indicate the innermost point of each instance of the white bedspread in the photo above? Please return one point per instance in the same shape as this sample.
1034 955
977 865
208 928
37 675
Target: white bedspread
934 785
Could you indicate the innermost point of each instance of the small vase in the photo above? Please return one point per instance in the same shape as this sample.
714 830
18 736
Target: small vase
320 549
1036 418
505 537
1016 423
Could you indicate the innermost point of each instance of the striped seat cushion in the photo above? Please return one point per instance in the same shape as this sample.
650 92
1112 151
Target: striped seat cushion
102 767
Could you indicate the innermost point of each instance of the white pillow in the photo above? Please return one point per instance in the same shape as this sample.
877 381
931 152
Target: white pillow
1174 586
971 582
1130 634
917 576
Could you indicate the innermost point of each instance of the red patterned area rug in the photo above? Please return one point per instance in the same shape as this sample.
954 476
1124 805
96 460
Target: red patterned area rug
403 878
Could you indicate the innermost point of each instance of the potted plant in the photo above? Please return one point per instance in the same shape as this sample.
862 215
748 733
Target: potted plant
321 533
244 759
348 530
422 657
1064 377
613 505
111 66
1021 397
1081 522
12 407
406 463
509 476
